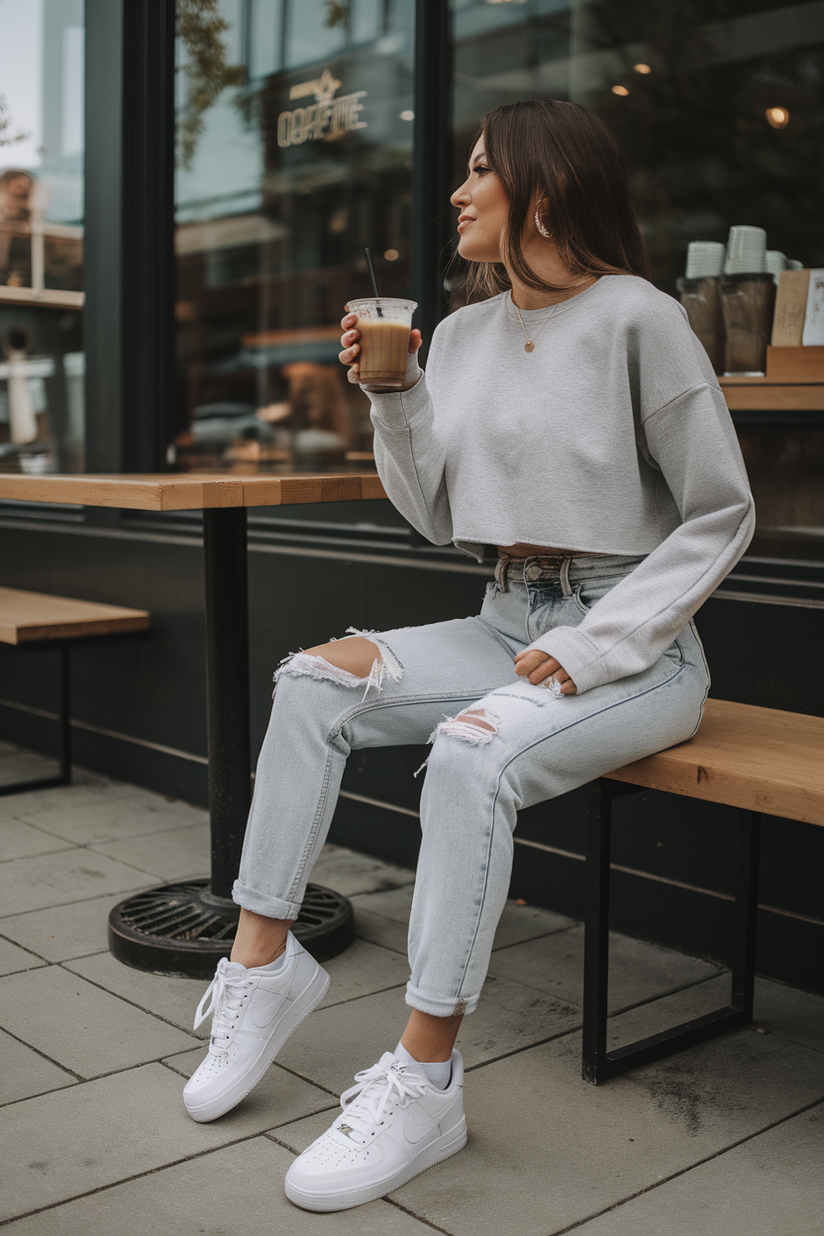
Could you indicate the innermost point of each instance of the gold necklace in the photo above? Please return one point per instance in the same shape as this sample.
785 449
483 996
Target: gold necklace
529 346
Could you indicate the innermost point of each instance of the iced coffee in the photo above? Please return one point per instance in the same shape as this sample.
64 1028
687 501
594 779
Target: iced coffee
384 324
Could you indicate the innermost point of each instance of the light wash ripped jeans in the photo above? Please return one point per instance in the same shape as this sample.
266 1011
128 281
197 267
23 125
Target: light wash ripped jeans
537 746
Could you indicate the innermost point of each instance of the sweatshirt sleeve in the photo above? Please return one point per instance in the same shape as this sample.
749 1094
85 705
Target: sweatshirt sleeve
692 440
410 457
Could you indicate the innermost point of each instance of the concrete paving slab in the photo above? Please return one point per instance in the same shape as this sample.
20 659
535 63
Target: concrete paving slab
793 1014
202 1195
547 1151
172 999
114 817
86 787
178 854
517 923
60 933
64 1144
336 1042
386 932
362 969
26 766
769 1185
19 840
638 971
54 879
13 958
24 1072
350 873
81 1027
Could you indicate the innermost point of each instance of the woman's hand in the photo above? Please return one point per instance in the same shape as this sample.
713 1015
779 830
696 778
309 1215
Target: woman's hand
540 668
350 342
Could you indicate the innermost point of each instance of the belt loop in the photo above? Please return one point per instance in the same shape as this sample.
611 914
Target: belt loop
564 577
500 571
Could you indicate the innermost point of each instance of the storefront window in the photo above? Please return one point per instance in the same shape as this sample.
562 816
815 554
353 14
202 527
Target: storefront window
295 122
718 106
41 235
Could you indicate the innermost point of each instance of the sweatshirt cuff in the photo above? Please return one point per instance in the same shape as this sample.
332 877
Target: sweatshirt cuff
574 652
394 411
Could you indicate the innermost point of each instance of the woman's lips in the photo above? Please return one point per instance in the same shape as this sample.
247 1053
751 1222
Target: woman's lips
464 222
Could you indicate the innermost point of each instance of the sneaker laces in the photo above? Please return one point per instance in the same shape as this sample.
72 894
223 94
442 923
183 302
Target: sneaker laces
364 1103
226 1003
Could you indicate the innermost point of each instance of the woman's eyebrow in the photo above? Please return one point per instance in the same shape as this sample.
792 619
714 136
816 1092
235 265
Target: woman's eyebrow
475 160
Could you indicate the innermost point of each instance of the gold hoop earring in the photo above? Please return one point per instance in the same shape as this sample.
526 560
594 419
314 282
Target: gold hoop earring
547 235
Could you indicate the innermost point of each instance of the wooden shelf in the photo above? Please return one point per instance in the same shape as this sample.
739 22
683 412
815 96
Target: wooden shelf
764 394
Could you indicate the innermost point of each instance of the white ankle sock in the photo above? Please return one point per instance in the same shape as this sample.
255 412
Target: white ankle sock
437 1072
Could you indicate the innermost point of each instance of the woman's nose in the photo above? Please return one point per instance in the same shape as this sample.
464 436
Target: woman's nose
460 196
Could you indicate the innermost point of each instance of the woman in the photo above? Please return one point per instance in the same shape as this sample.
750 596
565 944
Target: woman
573 421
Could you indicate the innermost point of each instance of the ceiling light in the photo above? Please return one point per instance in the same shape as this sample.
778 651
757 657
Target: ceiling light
391 255
778 117
642 68
622 90
407 115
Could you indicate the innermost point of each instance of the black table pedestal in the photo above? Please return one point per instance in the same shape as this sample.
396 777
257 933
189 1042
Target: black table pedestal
184 928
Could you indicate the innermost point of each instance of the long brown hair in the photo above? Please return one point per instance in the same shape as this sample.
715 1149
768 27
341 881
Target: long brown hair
569 156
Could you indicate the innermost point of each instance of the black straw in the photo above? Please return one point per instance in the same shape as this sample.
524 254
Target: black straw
375 285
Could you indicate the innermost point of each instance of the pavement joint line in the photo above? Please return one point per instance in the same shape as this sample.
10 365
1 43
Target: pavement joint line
64 965
656 1184
152 1171
428 1222
303 1077
62 905
25 949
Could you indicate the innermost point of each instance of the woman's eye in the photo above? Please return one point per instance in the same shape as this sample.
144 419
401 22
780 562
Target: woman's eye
480 168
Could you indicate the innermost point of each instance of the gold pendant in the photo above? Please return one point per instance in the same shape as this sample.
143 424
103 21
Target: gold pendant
529 346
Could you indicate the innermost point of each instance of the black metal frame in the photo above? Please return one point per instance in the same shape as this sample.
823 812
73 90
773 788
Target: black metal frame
63 719
598 1064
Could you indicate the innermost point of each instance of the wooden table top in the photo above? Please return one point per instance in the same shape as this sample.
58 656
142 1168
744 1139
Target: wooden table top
28 616
762 759
189 491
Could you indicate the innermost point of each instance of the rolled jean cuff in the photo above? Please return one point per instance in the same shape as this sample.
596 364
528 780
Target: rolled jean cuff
440 1008
262 903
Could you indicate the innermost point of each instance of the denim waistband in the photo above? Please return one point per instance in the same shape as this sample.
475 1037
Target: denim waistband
561 566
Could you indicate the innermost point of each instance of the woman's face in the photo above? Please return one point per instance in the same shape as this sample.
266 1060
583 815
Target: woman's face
482 202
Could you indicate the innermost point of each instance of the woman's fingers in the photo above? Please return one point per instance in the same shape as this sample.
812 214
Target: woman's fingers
543 670
415 341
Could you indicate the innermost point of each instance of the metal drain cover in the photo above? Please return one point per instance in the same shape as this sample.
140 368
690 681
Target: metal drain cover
184 929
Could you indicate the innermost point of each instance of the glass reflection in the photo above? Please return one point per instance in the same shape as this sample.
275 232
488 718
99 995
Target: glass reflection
41 235
300 160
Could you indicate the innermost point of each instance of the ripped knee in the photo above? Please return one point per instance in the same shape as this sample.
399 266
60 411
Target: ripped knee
354 662
475 725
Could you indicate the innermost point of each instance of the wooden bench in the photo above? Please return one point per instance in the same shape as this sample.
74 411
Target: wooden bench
32 621
757 759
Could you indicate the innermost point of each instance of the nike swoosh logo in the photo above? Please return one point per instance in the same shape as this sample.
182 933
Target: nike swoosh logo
416 1127
262 1017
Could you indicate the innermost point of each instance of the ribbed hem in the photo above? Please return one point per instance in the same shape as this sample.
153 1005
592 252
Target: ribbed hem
440 1008
261 903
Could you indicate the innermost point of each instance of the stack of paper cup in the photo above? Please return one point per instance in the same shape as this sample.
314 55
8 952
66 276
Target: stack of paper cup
775 262
746 251
704 257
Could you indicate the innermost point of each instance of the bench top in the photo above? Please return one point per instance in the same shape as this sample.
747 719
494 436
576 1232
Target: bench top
758 758
29 616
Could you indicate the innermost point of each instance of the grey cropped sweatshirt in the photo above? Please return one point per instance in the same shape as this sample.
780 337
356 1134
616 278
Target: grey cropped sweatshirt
611 437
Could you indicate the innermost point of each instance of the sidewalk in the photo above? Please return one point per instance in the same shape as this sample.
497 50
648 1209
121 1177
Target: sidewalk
727 1138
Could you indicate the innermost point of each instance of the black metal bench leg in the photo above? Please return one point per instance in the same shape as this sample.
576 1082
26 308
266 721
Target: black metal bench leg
596 939
598 1064
65 774
746 913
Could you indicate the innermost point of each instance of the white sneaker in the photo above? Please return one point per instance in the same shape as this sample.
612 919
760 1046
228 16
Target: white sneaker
394 1125
254 1014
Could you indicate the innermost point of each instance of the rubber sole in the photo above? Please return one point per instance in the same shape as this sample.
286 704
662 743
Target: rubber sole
303 1005
444 1148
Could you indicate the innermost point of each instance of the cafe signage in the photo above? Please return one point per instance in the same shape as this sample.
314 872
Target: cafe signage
328 117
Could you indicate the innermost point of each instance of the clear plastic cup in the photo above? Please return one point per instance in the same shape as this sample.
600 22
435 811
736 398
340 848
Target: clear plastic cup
384 323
